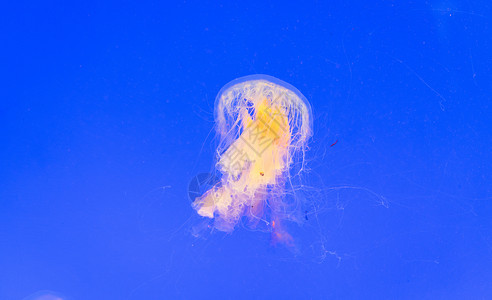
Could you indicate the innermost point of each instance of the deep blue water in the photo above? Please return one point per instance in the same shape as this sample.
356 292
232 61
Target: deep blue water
106 115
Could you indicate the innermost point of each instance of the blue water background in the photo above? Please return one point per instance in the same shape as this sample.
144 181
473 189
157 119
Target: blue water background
106 114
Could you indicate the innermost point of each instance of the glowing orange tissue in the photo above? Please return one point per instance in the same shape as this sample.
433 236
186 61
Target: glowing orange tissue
263 125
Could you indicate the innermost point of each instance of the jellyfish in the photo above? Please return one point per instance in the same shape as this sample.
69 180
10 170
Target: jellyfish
263 126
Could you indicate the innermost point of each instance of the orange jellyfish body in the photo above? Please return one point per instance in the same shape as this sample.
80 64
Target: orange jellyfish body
263 125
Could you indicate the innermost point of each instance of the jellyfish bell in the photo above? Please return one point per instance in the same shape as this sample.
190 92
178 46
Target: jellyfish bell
263 126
